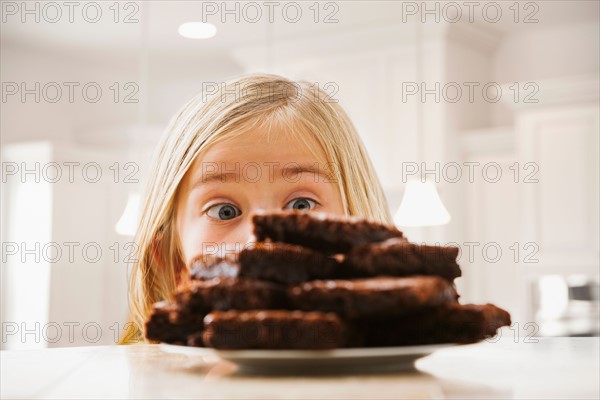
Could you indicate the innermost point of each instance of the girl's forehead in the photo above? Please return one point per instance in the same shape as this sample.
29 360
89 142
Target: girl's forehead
262 155
260 146
255 149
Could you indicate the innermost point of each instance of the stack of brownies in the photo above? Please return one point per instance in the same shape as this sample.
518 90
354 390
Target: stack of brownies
321 282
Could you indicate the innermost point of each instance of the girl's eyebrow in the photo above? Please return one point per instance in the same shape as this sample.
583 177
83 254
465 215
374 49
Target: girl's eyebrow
250 173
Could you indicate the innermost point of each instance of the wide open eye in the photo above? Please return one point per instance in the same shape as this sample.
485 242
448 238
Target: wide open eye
301 203
223 211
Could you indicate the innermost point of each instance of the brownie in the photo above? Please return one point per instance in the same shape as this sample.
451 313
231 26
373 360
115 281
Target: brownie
275 262
276 329
397 257
316 281
209 266
326 233
454 324
169 324
286 263
196 340
202 296
372 297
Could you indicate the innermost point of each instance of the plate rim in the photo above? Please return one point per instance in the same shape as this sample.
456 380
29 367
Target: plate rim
281 354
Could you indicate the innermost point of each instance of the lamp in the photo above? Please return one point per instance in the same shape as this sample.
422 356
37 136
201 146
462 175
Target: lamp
421 204
127 224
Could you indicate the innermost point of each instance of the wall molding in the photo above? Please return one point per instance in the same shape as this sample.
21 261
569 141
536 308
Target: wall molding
554 92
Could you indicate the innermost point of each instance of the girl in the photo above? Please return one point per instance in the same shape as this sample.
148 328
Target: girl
260 142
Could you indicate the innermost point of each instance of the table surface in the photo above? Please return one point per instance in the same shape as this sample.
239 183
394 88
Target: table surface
550 368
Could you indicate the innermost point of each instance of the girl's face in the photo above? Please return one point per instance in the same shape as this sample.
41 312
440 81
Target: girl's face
243 175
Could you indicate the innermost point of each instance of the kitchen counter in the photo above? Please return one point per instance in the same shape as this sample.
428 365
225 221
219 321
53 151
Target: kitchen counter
550 368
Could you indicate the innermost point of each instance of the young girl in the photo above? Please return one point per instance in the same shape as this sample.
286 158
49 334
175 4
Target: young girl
260 142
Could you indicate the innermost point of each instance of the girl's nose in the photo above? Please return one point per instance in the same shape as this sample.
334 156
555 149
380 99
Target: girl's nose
246 234
250 241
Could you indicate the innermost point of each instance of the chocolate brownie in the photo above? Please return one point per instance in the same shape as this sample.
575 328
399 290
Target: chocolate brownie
276 329
372 297
275 262
326 233
202 296
196 340
169 324
208 266
454 324
397 257
286 263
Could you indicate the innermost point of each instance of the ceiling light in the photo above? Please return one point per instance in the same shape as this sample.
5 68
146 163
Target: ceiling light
197 30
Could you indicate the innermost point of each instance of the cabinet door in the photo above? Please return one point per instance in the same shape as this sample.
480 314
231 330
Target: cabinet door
558 148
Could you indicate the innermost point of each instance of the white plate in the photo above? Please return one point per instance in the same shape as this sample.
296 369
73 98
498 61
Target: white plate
363 359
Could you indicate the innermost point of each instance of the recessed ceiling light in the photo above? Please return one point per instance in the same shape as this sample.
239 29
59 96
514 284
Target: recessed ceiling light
197 30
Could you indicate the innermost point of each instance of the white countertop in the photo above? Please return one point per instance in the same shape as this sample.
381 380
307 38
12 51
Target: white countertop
551 368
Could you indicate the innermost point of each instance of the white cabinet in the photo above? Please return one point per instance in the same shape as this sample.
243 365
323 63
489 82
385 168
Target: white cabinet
562 205
545 216
559 211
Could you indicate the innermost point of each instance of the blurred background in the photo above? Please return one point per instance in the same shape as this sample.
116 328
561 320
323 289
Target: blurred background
493 104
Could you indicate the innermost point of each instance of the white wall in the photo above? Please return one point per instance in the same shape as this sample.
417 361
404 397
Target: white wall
60 121
173 79
548 52
544 53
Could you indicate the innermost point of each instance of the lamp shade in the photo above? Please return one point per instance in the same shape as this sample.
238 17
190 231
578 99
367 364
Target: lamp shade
421 206
128 222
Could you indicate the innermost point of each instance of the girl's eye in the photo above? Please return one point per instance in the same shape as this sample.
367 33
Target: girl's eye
223 211
301 203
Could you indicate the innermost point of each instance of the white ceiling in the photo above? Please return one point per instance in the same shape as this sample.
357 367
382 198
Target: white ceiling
164 17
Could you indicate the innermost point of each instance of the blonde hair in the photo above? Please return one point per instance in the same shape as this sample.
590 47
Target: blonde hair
207 119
